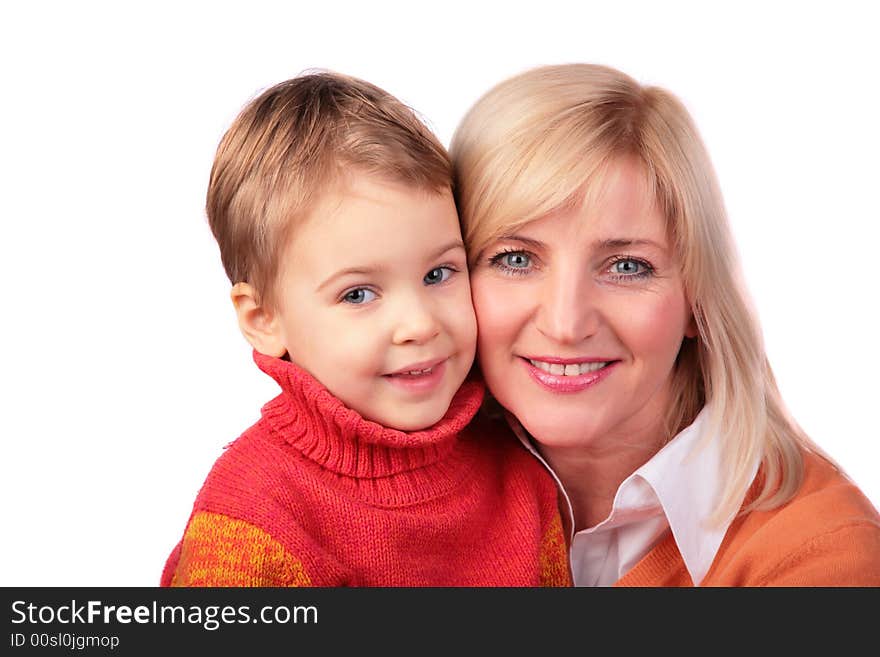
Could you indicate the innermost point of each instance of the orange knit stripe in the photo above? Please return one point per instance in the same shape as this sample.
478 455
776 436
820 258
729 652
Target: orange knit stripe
554 556
221 551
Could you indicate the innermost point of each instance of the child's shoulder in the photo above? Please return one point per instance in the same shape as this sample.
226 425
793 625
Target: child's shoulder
248 469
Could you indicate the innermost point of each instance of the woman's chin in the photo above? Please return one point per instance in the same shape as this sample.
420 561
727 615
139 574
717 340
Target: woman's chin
557 430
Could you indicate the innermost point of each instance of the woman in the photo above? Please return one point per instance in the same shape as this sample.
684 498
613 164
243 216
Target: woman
614 329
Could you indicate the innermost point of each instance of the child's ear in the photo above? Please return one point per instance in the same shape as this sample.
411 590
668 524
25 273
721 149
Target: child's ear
260 325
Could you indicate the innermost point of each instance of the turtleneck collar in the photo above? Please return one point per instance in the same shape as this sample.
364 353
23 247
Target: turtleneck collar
318 425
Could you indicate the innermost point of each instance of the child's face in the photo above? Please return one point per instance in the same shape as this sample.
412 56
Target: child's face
373 300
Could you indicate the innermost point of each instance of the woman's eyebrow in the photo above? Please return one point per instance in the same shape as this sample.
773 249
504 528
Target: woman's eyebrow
622 243
526 241
610 244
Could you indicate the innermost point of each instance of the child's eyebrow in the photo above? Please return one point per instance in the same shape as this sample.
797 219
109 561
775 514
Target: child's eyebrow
360 271
366 271
455 244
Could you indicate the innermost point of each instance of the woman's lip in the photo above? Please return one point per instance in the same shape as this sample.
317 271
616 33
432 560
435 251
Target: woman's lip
567 384
569 361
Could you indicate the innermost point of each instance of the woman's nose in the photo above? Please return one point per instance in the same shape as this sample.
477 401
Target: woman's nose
568 312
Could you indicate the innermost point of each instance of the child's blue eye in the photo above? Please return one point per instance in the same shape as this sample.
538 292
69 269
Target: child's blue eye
438 275
358 295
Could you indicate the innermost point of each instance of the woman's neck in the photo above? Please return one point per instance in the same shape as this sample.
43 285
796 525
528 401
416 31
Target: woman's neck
591 472
592 467
591 480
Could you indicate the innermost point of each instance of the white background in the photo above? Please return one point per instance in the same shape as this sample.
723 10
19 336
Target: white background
123 372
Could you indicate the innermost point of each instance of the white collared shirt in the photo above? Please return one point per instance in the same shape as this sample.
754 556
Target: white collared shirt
677 488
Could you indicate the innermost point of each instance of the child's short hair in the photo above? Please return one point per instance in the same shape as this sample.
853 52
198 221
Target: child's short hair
293 141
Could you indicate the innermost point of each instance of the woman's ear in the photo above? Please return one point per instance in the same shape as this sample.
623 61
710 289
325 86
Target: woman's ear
260 324
690 329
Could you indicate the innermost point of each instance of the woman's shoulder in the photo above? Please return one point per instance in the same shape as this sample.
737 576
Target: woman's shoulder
827 534
827 501
827 493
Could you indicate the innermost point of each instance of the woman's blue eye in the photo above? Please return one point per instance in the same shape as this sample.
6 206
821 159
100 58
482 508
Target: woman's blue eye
517 260
513 262
358 295
627 267
514 259
438 275
630 268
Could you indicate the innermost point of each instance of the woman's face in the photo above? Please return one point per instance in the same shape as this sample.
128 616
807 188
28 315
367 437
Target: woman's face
581 315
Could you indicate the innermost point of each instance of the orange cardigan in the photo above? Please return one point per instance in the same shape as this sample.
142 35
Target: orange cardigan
827 535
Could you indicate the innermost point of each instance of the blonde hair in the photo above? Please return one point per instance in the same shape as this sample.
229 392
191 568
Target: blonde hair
543 140
290 144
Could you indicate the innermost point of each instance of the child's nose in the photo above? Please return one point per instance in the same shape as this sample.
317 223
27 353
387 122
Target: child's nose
415 323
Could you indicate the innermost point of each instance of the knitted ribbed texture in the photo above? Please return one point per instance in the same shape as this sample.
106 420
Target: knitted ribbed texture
389 467
314 494
828 535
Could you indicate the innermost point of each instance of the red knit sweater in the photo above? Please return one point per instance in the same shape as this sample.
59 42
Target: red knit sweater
315 495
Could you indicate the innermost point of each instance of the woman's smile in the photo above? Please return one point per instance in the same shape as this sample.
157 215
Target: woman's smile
568 375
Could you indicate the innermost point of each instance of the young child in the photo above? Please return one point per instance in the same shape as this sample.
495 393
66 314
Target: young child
331 203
